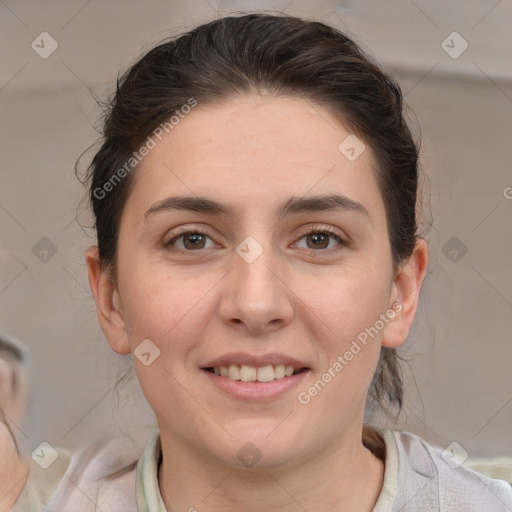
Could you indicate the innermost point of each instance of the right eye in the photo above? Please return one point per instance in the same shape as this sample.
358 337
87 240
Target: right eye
191 240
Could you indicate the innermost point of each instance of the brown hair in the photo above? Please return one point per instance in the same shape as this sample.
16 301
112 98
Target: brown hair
280 55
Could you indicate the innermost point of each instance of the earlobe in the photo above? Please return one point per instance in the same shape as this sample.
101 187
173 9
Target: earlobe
108 303
406 290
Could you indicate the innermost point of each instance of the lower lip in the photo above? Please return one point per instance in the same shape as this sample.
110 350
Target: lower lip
256 391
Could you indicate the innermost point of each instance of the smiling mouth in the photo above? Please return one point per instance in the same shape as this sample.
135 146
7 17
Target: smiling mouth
246 373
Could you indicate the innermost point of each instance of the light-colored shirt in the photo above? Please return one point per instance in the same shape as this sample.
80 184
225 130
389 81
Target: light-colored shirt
417 476
41 483
149 498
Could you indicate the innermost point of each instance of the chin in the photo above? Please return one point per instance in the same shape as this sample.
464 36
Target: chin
259 451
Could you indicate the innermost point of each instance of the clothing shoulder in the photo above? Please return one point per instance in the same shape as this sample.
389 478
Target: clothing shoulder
99 477
436 480
46 470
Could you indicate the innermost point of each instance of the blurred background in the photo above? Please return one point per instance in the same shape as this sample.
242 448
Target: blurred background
453 61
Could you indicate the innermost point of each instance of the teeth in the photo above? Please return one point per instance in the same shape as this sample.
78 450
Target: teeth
247 373
234 372
265 374
254 374
279 371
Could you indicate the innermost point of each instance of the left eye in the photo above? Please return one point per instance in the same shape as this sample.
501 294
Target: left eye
320 239
192 240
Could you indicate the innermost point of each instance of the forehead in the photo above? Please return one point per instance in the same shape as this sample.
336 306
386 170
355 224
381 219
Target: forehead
255 149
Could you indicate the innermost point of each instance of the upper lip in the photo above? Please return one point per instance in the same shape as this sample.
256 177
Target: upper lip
241 358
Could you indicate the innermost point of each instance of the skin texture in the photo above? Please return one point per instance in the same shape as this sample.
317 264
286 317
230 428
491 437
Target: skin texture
14 393
13 470
255 152
13 466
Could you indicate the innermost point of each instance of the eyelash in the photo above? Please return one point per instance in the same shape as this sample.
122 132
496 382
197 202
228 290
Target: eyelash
319 229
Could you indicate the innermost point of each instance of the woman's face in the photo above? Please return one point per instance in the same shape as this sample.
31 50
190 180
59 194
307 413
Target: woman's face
262 283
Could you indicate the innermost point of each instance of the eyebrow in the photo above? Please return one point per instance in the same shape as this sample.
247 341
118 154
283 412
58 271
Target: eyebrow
200 204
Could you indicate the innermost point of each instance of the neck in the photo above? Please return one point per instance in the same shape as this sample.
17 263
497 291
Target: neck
343 476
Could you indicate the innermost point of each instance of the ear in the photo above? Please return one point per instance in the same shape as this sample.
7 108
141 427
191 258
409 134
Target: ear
405 295
108 303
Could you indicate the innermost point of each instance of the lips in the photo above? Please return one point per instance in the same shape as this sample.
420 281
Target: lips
258 361
256 391
255 377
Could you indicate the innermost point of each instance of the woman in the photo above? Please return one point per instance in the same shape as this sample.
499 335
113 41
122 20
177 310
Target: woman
258 255
13 397
25 485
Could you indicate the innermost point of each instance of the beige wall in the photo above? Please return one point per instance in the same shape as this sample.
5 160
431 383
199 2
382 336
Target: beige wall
459 387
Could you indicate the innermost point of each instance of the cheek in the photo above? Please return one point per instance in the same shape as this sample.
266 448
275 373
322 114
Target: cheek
342 314
172 311
345 302
338 390
165 306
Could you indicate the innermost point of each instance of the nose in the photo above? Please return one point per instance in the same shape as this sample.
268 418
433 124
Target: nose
256 298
